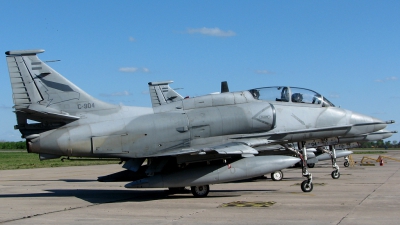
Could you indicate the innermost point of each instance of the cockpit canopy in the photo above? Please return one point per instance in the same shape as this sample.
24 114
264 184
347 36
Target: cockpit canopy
290 94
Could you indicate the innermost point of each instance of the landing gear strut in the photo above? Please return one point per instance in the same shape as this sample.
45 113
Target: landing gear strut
307 185
335 174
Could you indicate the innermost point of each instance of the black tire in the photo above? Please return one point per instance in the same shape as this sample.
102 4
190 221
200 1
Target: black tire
346 164
277 175
178 190
335 174
200 191
307 187
311 165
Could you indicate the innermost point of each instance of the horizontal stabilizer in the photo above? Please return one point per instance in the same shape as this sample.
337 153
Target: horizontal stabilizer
25 52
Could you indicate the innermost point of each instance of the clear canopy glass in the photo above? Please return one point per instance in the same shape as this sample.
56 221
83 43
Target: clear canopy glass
290 94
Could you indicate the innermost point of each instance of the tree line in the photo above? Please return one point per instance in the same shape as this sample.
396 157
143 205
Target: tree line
13 145
381 144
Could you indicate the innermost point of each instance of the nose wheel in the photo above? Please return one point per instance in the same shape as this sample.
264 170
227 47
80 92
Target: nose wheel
335 174
346 163
307 186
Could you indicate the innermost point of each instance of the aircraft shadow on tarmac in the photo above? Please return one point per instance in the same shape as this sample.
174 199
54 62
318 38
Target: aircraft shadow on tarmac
65 180
108 196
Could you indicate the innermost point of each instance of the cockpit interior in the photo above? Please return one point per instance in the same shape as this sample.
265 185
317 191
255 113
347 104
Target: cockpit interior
290 94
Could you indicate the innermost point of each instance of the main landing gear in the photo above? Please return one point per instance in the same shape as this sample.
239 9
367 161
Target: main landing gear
200 191
197 191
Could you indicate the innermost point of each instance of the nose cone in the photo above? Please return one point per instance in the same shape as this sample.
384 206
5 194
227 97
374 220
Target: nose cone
385 133
365 124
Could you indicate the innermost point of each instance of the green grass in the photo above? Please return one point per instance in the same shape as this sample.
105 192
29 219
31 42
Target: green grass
369 152
11 159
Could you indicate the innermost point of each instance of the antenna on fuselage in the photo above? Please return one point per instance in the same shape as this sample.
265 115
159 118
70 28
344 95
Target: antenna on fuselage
224 87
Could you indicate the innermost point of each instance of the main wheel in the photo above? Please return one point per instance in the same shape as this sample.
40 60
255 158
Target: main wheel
277 175
335 174
311 165
306 186
178 190
200 191
346 164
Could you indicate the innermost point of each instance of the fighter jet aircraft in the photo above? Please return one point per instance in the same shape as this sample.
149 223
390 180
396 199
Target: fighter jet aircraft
178 142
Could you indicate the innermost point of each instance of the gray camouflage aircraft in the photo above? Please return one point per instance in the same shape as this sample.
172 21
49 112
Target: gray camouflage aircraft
178 142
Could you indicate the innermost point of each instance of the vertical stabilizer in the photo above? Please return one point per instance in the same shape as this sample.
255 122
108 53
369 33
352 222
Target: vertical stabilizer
161 93
41 94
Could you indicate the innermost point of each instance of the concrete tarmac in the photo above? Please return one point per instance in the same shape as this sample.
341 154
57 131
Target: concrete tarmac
71 195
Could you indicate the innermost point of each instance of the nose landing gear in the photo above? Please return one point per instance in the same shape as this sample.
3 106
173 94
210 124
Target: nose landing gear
306 185
346 163
335 174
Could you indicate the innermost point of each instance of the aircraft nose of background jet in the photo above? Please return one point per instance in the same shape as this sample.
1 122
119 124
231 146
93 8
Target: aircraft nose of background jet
366 124
387 133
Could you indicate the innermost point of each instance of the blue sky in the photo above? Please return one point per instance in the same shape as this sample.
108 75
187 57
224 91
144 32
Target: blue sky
349 51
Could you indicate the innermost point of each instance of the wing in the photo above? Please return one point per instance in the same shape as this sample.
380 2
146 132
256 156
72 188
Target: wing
230 148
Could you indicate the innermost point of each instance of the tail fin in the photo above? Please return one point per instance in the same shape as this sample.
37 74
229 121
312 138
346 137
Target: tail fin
41 94
161 93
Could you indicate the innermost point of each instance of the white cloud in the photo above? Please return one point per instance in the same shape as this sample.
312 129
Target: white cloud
11 136
387 79
334 96
391 78
264 72
133 70
128 69
131 39
117 94
211 32
5 107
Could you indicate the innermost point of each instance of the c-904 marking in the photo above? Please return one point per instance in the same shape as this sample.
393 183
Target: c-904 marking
86 106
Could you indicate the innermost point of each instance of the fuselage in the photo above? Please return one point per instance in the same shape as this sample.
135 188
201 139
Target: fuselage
132 132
